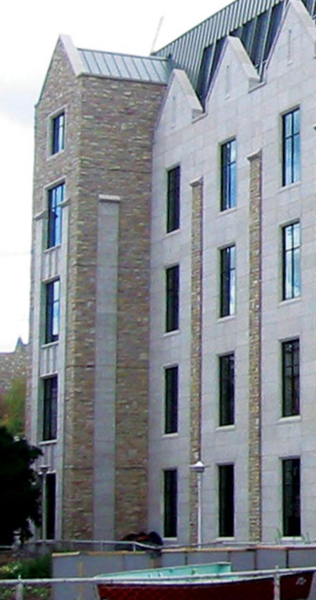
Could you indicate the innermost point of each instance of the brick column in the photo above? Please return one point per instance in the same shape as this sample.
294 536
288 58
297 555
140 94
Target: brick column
255 275
196 347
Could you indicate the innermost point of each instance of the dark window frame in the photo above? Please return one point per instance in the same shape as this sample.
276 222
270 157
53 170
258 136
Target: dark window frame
172 298
52 306
291 151
291 496
228 174
228 281
227 389
56 197
226 500
170 496
291 261
173 198
171 399
50 404
58 133
291 378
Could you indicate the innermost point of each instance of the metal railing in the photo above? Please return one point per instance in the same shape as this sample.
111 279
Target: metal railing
19 585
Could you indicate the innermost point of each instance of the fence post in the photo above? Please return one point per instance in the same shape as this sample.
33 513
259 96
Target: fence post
276 578
19 590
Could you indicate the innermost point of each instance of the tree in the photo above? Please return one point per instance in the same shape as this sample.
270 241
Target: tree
12 406
19 488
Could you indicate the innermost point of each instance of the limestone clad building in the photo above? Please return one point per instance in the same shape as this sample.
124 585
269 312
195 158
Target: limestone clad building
173 284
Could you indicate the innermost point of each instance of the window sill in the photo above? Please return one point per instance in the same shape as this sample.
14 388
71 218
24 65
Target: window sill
226 318
289 301
51 248
290 419
173 232
226 211
288 187
226 427
170 435
173 332
58 153
48 442
50 344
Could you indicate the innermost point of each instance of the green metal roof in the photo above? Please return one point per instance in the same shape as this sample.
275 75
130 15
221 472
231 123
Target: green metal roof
255 22
123 66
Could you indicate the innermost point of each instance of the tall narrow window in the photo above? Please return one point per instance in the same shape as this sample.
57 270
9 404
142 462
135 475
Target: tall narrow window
291 147
170 502
58 133
228 175
291 497
228 281
55 199
50 393
173 199
291 378
291 261
172 298
226 500
226 389
171 400
52 311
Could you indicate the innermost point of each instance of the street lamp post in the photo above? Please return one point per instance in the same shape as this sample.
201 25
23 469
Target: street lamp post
43 471
199 469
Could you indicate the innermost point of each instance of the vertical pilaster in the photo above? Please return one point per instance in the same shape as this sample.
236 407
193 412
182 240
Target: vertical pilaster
196 348
255 276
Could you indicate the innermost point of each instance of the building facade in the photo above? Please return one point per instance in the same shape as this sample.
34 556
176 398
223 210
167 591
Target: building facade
13 365
173 283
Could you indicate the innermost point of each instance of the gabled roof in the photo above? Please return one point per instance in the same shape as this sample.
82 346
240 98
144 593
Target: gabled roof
255 22
124 66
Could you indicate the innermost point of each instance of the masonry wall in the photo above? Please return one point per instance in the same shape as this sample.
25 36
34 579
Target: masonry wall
101 357
243 107
118 118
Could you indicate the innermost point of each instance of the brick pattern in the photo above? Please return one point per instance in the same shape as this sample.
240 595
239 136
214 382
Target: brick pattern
255 249
196 348
108 151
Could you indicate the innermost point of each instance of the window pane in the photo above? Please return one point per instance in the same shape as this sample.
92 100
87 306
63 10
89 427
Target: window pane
58 133
55 199
291 147
291 378
291 497
172 298
173 199
228 175
227 389
50 393
170 503
52 311
228 281
226 500
291 261
171 400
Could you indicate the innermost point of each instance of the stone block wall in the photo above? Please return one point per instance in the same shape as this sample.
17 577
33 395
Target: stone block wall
109 125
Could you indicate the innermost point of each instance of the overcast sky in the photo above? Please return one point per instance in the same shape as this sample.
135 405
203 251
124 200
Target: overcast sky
28 33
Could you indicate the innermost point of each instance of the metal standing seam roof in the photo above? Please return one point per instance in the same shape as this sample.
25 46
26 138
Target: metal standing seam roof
123 66
186 51
255 22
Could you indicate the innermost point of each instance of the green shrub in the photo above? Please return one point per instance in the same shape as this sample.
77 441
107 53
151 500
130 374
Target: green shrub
35 568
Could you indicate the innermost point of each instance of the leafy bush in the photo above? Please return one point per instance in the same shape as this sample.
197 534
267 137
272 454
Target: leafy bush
35 568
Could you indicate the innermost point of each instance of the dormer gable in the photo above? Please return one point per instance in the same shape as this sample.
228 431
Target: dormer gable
235 73
180 105
295 42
